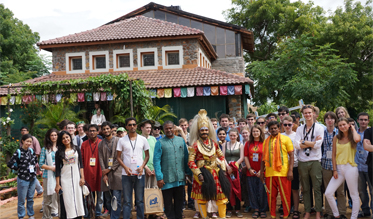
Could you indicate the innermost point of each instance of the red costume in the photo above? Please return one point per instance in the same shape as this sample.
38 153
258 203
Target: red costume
91 165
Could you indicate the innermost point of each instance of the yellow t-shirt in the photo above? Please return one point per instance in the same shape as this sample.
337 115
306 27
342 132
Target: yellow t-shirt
345 154
287 146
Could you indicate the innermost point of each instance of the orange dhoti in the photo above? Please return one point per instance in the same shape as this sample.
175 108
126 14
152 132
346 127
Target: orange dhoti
279 184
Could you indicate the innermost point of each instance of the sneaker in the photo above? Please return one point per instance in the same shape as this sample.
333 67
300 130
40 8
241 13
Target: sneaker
31 217
106 213
239 214
349 204
214 215
54 214
41 210
229 214
196 215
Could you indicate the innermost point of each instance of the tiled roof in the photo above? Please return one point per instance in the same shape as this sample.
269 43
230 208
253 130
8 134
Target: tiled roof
132 28
191 77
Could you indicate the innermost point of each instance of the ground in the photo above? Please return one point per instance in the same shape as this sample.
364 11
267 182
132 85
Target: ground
9 211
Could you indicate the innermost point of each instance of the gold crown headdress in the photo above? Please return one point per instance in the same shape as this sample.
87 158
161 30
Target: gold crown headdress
203 121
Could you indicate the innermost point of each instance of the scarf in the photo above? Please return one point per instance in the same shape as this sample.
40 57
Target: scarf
51 177
277 157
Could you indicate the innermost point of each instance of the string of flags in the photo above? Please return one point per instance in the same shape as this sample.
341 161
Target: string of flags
182 92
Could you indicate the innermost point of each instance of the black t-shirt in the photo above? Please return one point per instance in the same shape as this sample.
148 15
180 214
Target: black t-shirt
368 134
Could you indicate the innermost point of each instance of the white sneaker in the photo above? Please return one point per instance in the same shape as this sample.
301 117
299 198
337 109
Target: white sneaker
196 215
214 215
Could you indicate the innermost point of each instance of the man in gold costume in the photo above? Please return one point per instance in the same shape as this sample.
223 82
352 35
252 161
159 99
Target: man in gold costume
206 161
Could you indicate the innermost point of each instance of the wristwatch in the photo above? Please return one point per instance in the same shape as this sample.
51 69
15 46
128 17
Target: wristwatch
303 142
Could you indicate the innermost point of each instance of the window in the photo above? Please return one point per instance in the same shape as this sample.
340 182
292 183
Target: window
99 61
147 58
172 57
123 60
75 62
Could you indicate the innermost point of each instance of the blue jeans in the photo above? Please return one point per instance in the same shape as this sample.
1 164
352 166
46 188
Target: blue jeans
26 189
38 187
364 183
130 183
118 195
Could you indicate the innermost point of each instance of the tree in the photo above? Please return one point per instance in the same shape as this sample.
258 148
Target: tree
351 32
19 59
300 69
271 20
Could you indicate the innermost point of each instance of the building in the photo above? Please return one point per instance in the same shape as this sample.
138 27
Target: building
190 61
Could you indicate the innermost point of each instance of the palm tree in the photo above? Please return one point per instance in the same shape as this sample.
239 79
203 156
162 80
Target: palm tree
161 114
55 113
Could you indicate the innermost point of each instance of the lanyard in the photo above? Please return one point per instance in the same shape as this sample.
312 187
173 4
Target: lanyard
93 150
306 134
327 139
133 147
112 143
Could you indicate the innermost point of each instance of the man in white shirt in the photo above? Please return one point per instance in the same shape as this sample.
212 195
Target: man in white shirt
130 151
98 118
76 139
308 141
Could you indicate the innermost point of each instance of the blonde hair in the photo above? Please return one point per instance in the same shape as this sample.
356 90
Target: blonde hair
344 109
287 118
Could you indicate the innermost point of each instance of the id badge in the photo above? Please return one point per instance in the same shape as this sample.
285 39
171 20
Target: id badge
133 159
110 162
31 167
92 162
255 157
361 152
329 154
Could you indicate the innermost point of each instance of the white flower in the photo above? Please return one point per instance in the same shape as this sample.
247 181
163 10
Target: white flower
7 118
11 110
1 142
4 123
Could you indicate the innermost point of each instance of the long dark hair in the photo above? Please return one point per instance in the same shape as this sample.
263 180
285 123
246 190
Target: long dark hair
350 136
48 144
61 146
261 137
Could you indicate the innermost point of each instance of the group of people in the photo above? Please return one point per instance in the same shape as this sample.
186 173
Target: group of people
222 166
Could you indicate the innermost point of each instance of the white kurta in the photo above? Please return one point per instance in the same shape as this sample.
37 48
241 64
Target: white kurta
72 191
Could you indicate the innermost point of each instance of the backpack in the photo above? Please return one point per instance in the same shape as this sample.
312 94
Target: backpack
19 155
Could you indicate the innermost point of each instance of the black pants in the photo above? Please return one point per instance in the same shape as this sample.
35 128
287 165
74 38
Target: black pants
237 206
173 202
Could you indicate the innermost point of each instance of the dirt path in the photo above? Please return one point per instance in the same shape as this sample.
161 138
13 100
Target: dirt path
9 211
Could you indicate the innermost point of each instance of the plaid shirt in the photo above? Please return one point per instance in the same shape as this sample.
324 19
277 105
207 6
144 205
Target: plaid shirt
43 160
327 145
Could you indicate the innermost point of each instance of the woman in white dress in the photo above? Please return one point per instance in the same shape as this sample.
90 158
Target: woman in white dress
69 177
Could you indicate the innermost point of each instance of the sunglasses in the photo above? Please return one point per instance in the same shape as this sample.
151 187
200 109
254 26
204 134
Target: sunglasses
80 122
157 128
282 114
132 125
260 123
289 125
307 106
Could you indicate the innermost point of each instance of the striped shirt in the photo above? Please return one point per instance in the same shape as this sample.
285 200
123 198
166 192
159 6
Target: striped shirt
43 160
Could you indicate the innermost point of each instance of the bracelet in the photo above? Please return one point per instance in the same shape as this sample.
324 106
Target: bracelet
250 168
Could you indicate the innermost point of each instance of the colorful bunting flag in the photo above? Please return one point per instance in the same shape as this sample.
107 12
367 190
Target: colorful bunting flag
96 96
103 96
81 97
223 90
109 97
160 93
214 90
168 93
4 100
74 97
199 91
88 97
153 93
206 91
177 92
230 90
44 98
18 100
184 92
237 89
12 100
190 91
58 97
38 97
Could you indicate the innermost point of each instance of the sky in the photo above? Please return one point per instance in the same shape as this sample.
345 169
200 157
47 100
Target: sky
51 19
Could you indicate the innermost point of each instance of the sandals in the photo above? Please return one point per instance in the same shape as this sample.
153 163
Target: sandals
263 214
296 215
255 214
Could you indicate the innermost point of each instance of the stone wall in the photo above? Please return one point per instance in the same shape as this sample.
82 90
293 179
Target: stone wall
230 65
235 106
190 50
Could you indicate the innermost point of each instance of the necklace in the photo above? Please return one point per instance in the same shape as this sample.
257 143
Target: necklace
207 147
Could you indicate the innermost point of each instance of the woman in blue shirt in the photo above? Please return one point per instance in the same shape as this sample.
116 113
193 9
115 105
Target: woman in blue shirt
47 163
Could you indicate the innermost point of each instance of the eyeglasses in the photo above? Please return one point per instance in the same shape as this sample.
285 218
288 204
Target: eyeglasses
287 125
131 124
260 123
282 114
271 117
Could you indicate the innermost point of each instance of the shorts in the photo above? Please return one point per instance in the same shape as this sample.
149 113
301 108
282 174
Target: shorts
295 181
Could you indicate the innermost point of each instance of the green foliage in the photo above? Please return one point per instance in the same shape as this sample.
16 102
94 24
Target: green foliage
9 144
3 166
19 59
119 85
268 107
271 20
55 113
161 114
301 69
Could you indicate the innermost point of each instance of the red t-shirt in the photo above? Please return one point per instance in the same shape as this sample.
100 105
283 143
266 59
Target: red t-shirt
254 152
